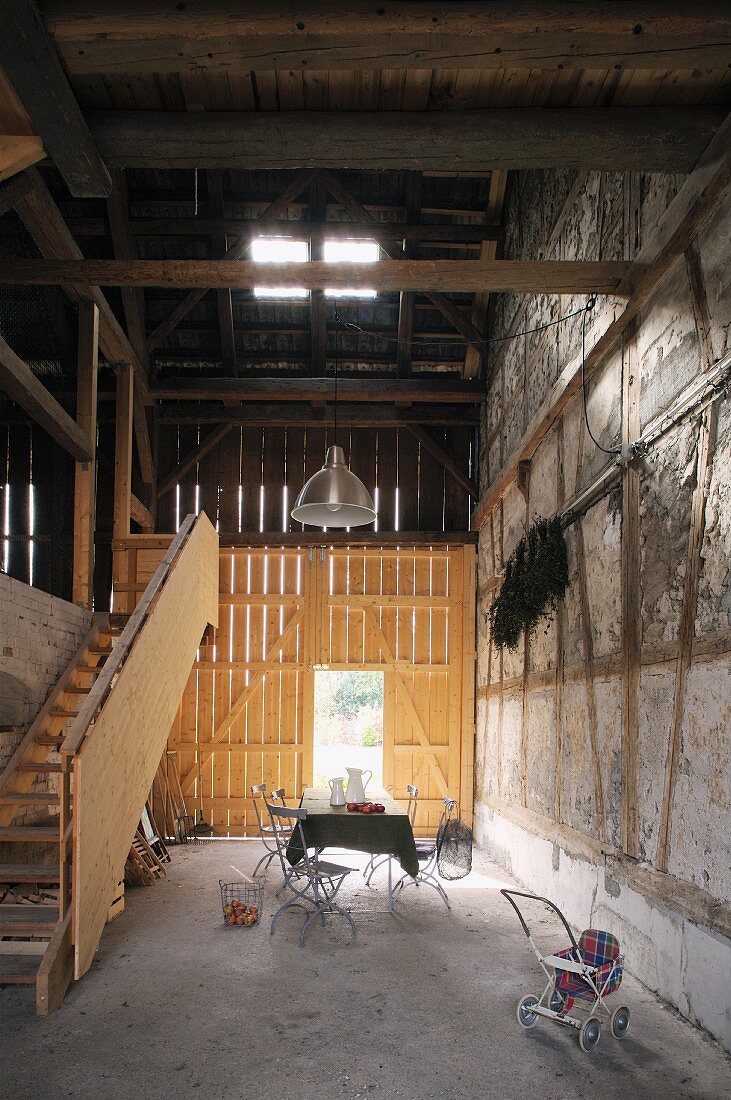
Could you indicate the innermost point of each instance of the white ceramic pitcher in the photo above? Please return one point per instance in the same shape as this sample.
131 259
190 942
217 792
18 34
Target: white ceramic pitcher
356 785
337 794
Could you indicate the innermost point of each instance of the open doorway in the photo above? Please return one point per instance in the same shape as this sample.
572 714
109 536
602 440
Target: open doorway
348 725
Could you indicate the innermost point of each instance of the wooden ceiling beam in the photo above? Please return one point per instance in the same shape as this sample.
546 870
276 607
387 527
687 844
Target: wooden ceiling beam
21 385
433 390
284 414
219 245
15 189
123 37
426 276
622 139
29 57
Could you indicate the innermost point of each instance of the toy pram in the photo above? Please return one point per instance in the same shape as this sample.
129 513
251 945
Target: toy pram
586 971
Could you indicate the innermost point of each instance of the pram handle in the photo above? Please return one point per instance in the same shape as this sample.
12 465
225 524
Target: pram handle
510 894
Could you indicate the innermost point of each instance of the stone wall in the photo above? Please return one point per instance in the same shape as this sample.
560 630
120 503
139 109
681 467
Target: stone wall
555 801
39 635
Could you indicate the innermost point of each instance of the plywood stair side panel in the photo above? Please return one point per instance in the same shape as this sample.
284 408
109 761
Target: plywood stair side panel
116 764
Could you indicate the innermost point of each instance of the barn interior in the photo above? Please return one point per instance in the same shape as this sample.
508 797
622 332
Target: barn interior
483 248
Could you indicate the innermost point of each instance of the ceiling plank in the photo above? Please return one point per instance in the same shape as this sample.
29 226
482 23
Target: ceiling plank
318 304
434 389
21 385
29 57
425 276
651 139
694 203
124 37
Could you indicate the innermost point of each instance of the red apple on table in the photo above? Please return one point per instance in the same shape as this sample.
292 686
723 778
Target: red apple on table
379 809
352 806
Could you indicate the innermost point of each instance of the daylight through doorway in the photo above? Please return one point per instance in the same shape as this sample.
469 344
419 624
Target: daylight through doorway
348 725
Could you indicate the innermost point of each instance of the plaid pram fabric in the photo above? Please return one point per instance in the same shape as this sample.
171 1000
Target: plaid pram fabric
599 949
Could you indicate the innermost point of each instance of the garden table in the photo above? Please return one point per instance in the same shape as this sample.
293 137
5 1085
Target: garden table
327 826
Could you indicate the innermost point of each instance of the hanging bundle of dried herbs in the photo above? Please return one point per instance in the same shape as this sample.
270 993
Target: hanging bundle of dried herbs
536 577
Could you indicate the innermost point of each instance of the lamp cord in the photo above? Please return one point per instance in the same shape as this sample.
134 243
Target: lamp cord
337 356
586 310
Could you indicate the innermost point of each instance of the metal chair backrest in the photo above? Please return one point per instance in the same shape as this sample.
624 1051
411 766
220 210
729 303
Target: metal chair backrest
288 821
413 793
449 806
278 796
259 789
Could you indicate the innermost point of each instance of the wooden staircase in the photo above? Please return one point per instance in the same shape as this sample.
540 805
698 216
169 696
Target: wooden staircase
34 894
95 747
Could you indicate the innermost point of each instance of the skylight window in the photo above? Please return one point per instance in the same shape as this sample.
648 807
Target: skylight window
354 252
279 250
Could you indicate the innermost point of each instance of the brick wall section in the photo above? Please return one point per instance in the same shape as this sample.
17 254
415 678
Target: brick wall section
39 635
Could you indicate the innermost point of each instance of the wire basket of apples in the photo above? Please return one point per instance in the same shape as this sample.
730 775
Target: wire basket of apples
365 808
242 902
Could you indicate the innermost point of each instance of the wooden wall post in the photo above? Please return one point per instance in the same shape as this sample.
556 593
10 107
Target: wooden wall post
122 475
85 476
631 600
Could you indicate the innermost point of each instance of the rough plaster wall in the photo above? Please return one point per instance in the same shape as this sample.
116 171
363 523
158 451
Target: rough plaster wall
714 588
39 635
667 357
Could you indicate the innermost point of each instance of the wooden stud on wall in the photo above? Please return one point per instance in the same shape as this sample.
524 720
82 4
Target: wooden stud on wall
85 474
631 599
123 477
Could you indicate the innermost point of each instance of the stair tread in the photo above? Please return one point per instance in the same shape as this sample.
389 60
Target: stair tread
44 767
61 712
74 690
32 834
16 920
29 799
28 872
49 739
19 969
96 669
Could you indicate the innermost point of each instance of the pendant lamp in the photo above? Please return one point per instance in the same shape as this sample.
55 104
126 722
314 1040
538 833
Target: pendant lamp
334 496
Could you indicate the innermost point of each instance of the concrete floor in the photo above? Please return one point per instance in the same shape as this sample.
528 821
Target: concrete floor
421 1005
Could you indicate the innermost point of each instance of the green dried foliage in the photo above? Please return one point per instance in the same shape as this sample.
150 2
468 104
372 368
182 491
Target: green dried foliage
536 577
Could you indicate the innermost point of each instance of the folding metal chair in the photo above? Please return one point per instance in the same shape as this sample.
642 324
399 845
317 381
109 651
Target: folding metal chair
266 832
427 852
377 861
313 882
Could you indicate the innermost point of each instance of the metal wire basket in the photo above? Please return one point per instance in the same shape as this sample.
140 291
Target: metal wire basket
242 902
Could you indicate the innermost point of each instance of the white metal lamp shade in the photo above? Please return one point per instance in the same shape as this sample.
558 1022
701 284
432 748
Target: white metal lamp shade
334 496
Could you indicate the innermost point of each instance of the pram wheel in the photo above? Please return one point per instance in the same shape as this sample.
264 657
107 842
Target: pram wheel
557 1001
526 1018
590 1034
620 1022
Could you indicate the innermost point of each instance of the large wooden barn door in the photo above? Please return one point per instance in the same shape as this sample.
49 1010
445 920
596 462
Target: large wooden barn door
248 710
242 718
410 614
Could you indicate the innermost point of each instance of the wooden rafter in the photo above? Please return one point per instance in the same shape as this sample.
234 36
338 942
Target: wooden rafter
125 248
234 253
211 440
445 459
219 246
425 276
21 385
405 329
652 139
29 58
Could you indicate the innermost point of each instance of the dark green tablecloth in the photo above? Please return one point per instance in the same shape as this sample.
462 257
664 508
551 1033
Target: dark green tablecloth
329 826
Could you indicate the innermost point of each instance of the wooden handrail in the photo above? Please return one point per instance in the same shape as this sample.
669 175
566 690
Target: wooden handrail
95 699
